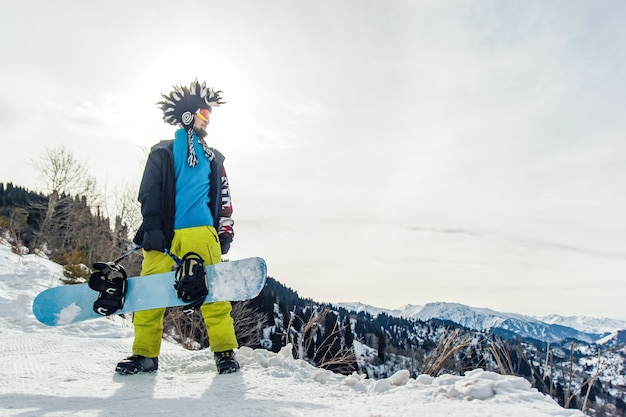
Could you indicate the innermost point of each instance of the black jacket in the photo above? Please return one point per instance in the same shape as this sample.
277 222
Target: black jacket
157 193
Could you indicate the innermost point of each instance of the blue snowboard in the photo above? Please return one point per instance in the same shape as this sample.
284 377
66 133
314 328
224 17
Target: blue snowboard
227 281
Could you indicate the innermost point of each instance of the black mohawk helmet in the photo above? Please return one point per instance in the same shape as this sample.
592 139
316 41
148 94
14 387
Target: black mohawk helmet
180 105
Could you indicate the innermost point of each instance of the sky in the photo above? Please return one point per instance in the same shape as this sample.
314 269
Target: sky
391 153
38 379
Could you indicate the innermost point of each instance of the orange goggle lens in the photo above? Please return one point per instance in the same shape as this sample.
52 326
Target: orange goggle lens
203 114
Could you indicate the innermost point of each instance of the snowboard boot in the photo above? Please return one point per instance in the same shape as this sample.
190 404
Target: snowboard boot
226 362
137 363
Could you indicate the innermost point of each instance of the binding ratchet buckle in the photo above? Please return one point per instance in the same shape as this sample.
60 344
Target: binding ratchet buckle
190 283
110 280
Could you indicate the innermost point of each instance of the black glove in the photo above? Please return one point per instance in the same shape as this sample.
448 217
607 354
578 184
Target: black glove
225 240
153 240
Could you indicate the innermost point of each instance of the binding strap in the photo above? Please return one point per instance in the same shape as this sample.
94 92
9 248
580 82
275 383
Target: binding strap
110 280
190 283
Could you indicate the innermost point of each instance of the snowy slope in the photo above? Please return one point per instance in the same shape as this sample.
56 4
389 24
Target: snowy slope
407 311
68 371
586 324
553 327
487 320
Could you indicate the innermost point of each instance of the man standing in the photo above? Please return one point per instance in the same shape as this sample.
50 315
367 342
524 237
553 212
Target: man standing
186 207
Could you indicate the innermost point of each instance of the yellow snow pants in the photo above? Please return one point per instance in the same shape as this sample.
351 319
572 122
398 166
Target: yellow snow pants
148 324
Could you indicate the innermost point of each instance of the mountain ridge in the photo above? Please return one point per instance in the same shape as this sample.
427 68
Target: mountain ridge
553 327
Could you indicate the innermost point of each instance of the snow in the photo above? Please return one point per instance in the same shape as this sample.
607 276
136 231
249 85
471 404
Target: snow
249 270
484 318
586 324
68 370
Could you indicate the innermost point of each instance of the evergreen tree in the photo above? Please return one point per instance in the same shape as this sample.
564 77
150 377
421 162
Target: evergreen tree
381 345
348 335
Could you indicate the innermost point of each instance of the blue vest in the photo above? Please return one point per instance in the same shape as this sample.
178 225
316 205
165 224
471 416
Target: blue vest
192 184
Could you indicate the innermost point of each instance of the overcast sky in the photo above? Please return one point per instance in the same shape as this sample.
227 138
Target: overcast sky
388 152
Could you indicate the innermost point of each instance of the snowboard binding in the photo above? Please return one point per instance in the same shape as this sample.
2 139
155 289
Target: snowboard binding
190 283
110 280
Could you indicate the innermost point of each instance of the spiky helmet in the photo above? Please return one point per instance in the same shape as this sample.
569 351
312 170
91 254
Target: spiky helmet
180 105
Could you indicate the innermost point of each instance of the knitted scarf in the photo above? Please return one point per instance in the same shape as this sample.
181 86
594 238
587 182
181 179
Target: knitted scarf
192 159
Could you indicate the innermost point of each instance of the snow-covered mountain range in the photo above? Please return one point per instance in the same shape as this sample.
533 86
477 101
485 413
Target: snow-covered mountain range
553 327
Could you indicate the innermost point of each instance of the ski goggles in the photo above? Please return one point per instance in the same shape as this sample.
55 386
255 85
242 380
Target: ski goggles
203 114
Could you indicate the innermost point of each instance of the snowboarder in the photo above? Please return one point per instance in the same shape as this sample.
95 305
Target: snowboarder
186 207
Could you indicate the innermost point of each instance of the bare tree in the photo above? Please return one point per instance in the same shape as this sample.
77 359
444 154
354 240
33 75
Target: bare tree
249 323
324 351
121 203
63 173
12 226
127 207
571 394
591 381
73 229
447 348
64 176
331 355
500 353
189 329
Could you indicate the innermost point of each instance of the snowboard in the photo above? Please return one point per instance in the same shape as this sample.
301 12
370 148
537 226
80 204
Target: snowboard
227 281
